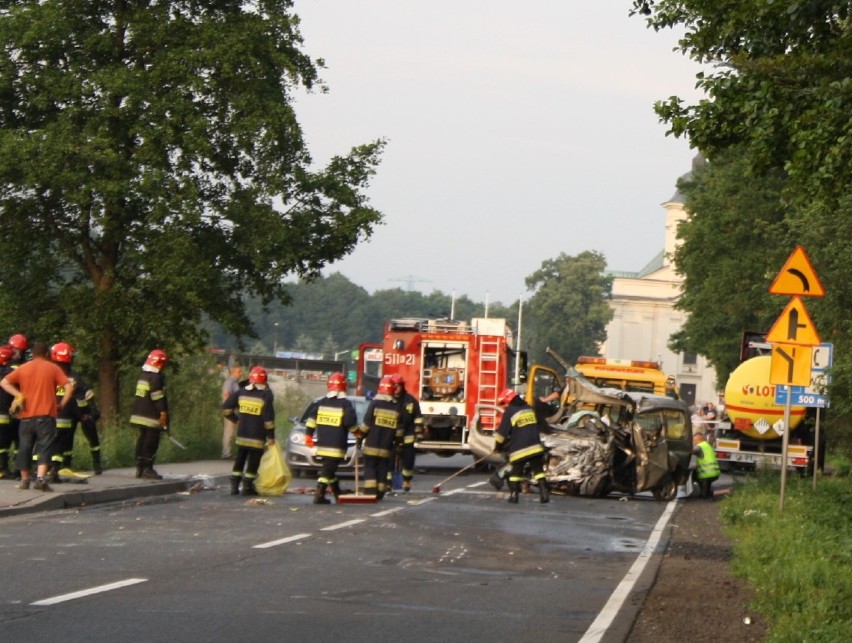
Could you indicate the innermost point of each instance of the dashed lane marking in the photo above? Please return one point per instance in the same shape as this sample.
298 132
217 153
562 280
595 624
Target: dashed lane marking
282 541
88 592
343 525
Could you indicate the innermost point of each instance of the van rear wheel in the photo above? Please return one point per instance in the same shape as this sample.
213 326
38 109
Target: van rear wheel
666 492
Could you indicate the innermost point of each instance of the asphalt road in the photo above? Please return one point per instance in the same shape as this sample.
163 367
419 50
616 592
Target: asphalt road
459 565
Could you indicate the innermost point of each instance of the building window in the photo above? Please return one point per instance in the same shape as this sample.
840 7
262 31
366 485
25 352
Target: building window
690 359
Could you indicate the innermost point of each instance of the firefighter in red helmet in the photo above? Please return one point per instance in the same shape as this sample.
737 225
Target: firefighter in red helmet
150 414
383 421
252 407
519 435
8 425
412 420
328 422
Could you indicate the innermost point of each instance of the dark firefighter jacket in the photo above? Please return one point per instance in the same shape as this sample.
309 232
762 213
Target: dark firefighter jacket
518 433
255 415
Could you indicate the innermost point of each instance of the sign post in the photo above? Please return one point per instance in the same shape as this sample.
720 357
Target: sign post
793 335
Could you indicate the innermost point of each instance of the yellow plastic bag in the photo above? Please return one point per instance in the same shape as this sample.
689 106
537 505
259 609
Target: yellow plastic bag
273 474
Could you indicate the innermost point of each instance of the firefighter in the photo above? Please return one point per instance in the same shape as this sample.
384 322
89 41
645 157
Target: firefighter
150 414
62 354
8 425
411 420
89 415
519 435
328 422
707 467
252 407
382 421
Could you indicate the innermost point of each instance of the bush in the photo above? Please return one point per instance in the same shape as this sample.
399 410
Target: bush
798 561
195 402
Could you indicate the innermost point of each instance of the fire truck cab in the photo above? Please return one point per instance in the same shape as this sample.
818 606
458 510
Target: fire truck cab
452 367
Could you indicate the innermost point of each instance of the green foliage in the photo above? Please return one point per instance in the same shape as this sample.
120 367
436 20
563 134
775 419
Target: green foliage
781 85
151 160
570 309
731 244
799 561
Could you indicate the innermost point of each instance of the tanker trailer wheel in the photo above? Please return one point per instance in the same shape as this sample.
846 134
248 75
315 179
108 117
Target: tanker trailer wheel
666 492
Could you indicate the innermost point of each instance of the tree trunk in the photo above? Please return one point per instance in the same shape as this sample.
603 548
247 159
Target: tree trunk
108 381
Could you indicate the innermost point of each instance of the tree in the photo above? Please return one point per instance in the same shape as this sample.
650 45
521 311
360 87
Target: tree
570 309
781 85
152 171
733 240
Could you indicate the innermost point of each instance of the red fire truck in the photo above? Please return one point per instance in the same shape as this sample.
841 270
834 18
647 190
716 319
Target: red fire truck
452 368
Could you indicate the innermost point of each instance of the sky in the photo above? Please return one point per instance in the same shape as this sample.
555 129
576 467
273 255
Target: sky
516 132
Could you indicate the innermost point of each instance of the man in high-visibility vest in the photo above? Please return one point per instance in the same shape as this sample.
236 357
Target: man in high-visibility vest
707 468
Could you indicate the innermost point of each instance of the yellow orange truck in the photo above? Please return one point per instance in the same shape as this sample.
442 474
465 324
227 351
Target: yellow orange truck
628 375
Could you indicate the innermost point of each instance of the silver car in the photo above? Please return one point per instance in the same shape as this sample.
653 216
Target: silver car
302 459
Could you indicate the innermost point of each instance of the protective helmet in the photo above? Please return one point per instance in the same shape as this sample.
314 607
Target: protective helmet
506 396
397 380
257 375
157 358
337 382
62 352
6 353
19 342
386 385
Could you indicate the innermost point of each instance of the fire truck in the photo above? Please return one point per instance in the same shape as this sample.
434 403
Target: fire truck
456 370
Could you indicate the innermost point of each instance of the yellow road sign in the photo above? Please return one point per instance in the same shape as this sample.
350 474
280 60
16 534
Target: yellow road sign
798 277
790 365
794 326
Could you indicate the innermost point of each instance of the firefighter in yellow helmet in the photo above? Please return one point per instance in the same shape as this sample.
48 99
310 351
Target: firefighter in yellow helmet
519 435
328 422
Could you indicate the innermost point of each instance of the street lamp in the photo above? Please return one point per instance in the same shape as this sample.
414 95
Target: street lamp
275 341
348 350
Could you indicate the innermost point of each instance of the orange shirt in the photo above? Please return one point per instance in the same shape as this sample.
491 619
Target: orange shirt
38 380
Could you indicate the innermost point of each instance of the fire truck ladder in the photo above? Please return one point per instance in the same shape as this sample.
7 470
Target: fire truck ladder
489 361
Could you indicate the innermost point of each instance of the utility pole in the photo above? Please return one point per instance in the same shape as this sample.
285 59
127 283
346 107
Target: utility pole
410 280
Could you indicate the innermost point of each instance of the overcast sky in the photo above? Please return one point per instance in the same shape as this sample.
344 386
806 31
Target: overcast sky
516 132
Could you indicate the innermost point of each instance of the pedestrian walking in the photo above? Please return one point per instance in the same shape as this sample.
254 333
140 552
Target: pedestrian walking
519 435
230 386
150 414
412 420
382 420
252 409
34 386
328 422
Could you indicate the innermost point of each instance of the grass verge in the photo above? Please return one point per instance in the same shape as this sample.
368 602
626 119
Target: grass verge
798 561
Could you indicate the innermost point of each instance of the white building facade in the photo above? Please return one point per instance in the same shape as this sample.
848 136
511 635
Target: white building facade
645 317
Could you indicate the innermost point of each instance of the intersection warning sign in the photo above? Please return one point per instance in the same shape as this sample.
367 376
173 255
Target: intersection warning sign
794 326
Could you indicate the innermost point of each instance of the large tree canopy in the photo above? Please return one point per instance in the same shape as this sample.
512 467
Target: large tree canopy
152 170
781 84
570 309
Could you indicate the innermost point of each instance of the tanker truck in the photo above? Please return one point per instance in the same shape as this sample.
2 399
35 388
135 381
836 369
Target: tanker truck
750 437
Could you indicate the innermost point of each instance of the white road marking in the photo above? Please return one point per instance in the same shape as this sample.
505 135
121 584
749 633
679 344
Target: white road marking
341 525
282 541
421 502
88 592
387 512
607 615
477 484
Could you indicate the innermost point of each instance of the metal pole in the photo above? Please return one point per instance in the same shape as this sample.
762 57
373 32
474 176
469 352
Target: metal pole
785 440
518 347
816 447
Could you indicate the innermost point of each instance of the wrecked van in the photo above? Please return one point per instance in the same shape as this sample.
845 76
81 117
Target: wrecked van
604 440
